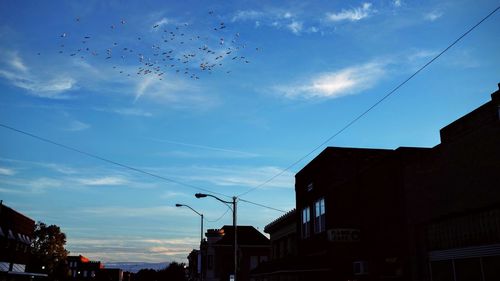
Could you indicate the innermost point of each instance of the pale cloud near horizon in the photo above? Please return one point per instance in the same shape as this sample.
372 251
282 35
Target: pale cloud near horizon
335 84
133 248
103 181
354 14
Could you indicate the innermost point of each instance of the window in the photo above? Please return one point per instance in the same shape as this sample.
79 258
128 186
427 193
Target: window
310 187
306 221
254 261
319 215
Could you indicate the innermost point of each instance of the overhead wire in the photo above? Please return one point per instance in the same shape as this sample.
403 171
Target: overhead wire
358 117
67 147
261 205
219 218
132 168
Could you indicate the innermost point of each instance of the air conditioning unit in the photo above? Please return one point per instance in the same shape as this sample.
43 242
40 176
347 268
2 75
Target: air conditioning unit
360 267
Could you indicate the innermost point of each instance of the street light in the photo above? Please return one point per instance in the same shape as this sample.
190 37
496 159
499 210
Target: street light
201 234
203 195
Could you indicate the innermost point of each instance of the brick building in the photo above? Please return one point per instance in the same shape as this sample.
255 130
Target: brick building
16 234
218 252
407 213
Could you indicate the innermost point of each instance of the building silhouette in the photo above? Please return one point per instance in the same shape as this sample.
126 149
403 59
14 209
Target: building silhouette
401 214
16 235
218 252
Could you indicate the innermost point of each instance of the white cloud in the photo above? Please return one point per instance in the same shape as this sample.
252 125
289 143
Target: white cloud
76 125
17 63
126 111
397 3
106 181
7 172
354 14
50 88
241 176
336 84
295 27
41 184
247 15
313 29
174 92
433 15
16 71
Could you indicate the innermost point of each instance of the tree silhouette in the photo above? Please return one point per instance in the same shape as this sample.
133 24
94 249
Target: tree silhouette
49 252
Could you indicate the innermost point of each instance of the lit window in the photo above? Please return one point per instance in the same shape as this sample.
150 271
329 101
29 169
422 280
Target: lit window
306 221
319 215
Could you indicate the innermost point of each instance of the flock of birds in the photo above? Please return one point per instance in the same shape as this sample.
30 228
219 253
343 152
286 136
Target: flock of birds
175 49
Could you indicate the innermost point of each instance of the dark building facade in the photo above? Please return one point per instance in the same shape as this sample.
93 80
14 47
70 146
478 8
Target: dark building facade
405 214
81 268
218 252
283 264
16 234
194 269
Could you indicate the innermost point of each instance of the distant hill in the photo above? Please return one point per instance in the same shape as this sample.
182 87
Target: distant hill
136 266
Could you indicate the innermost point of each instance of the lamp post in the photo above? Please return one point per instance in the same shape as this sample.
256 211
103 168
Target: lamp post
201 235
203 195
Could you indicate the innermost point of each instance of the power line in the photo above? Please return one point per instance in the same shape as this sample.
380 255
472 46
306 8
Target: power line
219 218
67 147
371 107
261 205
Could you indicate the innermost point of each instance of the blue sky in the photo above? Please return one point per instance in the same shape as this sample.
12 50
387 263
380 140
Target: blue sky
260 84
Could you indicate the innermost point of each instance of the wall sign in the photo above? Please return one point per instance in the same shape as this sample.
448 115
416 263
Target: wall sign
343 235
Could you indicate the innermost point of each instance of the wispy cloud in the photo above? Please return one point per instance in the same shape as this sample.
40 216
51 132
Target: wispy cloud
76 125
433 15
245 176
346 81
245 15
38 87
275 18
295 27
15 71
132 248
104 181
354 14
206 147
119 211
397 3
7 171
126 111
17 63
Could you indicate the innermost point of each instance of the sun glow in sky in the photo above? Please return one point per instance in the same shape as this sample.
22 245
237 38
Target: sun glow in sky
220 95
